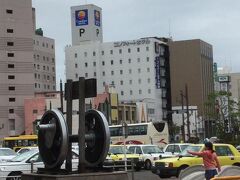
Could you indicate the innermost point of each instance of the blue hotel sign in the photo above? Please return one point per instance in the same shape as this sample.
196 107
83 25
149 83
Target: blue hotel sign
81 17
157 72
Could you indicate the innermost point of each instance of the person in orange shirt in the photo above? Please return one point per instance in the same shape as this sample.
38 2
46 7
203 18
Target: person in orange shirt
210 160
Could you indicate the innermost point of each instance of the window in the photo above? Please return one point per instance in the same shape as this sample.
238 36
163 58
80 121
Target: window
76 75
111 51
85 54
139 81
86 75
129 50
47 45
43 45
94 63
147 48
131 92
121 71
94 74
139 70
10 54
53 60
76 65
111 62
130 71
11 77
103 63
138 150
121 82
129 60
112 72
86 65
120 51
103 73
10 65
75 55
130 81
11 88
138 59
148 69
35 75
11 99
9 30
140 91
94 53
147 59
12 124
44 67
53 69
223 151
122 93
9 11
10 43
120 61
11 111
102 52
149 91
148 80
138 49
35 111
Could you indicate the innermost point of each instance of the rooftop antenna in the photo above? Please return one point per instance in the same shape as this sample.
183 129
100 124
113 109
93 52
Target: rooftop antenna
169 29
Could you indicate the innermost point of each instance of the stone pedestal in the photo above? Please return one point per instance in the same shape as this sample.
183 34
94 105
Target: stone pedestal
85 176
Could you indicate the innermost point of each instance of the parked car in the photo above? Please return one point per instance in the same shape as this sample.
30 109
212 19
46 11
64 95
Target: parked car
6 154
165 168
175 149
238 148
22 164
149 153
117 153
25 149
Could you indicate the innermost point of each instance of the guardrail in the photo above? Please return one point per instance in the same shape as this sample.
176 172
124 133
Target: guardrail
226 178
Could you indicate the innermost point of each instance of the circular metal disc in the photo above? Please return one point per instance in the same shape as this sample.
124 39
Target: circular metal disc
53 156
96 150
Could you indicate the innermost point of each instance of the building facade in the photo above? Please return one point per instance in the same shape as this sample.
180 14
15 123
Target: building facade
191 64
139 69
17 82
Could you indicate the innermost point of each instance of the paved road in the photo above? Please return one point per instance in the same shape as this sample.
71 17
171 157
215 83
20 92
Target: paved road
146 175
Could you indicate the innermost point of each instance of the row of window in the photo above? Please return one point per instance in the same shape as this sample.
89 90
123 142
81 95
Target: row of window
129 50
44 68
44 58
45 77
139 92
45 86
43 44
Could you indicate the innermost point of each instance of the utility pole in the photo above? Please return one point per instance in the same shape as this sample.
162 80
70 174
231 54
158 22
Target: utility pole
187 104
183 123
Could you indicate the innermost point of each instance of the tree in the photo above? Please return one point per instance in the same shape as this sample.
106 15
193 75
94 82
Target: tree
225 112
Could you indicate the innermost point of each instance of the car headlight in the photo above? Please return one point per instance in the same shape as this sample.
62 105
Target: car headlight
168 164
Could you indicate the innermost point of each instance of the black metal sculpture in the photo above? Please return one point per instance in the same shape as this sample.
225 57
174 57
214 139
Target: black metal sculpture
55 134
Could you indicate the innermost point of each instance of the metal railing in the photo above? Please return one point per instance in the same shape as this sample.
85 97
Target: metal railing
226 178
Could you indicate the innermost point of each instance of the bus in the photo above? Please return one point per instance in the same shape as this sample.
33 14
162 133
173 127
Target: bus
141 133
18 142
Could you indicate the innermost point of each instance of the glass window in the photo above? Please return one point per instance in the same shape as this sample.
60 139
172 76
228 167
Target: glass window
120 61
139 70
9 30
138 59
102 52
11 99
223 151
103 63
121 82
11 77
131 92
122 93
94 74
121 71
75 55
138 49
148 69
132 149
9 11
130 71
129 60
85 54
103 73
148 80
139 81
147 59
111 62
149 91
140 91
11 88
112 72
129 50
94 53
111 51
120 51
138 150
86 75
10 43
76 65
86 64
147 48
10 65
130 81
94 63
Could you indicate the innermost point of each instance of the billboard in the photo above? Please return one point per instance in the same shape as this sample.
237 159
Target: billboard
81 17
97 18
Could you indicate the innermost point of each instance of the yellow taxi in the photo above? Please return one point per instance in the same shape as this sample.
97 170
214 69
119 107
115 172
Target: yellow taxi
165 168
117 154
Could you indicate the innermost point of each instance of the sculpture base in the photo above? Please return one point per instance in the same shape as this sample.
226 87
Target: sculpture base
85 176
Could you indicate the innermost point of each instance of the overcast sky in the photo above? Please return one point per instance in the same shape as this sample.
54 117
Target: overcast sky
214 21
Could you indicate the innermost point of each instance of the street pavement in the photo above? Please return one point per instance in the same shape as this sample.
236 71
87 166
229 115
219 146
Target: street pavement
146 175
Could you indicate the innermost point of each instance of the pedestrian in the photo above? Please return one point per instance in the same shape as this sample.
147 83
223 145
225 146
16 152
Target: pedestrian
210 160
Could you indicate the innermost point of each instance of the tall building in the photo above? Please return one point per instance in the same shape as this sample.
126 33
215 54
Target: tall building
17 81
191 63
139 69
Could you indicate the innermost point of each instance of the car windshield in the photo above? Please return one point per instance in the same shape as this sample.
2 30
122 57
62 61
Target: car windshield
118 150
7 152
190 148
24 156
151 149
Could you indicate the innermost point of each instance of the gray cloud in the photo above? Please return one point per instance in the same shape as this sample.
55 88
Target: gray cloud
215 22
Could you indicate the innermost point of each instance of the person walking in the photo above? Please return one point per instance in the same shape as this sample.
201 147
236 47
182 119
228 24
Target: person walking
210 160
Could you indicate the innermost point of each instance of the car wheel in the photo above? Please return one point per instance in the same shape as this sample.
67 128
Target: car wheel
181 168
236 164
148 164
14 174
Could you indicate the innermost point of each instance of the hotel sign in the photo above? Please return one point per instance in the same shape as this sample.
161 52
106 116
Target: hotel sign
157 73
134 42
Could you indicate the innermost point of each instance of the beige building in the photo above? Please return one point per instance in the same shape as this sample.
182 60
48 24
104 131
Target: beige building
191 63
17 81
